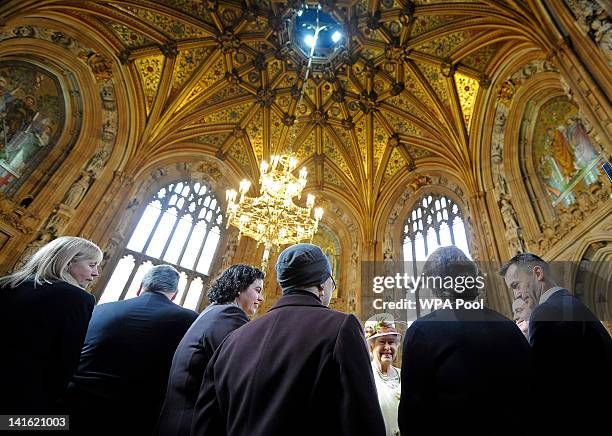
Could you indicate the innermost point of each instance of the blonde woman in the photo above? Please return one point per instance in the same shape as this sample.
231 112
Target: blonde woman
44 313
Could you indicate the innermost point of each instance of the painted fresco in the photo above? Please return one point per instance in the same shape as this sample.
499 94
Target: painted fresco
566 160
32 115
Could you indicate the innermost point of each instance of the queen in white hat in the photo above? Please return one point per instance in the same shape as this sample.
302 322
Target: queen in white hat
383 340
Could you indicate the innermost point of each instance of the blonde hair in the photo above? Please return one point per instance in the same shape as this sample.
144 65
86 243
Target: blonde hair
50 263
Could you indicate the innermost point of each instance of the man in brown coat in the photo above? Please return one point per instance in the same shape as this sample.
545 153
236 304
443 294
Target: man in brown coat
301 369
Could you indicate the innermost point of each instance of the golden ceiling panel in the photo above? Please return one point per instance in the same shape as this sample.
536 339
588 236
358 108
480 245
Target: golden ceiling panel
396 163
425 23
276 127
260 24
227 115
186 63
444 46
401 124
360 130
197 9
240 154
436 80
226 94
332 152
307 148
171 26
330 176
481 57
381 137
213 139
230 15
467 88
417 152
212 75
346 140
275 67
129 37
255 131
150 69
415 87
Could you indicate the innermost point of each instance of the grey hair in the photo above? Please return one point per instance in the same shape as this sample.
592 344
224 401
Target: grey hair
51 263
161 278
450 262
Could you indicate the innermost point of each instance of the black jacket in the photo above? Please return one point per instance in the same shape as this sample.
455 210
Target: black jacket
572 353
125 362
190 360
301 369
42 330
463 372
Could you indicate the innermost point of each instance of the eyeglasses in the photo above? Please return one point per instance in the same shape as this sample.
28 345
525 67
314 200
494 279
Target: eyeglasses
334 282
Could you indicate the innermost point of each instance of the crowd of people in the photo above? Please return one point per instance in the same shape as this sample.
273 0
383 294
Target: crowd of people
146 366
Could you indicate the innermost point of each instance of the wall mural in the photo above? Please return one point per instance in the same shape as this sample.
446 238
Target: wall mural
32 114
565 159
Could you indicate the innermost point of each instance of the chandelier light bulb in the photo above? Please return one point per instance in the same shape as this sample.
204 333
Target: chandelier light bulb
303 173
264 167
310 201
230 196
292 163
244 186
336 36
318 213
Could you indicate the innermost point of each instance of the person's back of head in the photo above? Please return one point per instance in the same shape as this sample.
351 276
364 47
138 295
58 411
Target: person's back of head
451 275
161 278
53 263
305 267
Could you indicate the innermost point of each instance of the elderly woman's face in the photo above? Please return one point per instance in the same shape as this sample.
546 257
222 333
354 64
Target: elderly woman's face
250 299
384 349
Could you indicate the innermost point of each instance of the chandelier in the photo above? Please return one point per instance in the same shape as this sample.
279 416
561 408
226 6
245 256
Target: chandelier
273 219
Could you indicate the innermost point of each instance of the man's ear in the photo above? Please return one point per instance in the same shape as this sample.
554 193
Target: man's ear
538 271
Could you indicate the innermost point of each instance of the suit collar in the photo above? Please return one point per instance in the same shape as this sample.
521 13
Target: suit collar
301 299
555 290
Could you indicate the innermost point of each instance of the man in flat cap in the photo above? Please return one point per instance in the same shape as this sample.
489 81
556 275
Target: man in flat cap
301 369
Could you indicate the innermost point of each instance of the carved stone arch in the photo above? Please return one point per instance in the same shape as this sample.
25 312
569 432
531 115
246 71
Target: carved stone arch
518 165
89 147
589 277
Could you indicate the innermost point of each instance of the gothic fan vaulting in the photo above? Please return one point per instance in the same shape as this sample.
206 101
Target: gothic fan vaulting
400 93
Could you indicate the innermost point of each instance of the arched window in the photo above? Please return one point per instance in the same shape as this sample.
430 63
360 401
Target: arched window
180 226
435 221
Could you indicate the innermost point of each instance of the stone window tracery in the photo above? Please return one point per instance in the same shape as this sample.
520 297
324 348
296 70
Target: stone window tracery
435 221
181 226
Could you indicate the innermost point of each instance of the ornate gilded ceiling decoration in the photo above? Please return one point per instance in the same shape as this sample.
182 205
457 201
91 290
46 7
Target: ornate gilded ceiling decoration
401 90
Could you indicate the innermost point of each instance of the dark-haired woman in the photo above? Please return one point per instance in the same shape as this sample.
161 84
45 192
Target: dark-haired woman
235 295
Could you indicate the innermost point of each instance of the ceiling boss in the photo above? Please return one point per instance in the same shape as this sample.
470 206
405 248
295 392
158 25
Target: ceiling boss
273 219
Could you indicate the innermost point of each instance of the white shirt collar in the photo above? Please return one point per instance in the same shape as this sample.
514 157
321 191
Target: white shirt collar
546 295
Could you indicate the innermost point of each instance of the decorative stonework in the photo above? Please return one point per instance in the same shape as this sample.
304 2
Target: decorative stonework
587 202
593 18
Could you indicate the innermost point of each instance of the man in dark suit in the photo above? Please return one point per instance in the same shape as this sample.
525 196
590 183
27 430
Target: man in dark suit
125 362
460 362
572 350
301 369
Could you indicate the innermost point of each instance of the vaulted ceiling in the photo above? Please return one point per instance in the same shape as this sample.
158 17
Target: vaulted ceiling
405 94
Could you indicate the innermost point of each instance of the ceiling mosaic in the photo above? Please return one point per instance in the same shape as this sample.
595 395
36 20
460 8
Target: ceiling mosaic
399 92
